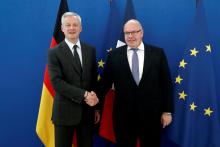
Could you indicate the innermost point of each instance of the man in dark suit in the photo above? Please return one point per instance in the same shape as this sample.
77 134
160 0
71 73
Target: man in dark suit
73 73
143 89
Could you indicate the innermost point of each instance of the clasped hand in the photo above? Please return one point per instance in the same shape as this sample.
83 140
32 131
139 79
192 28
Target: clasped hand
91 99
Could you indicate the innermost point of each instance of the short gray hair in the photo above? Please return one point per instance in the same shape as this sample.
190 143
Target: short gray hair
70 14
136 21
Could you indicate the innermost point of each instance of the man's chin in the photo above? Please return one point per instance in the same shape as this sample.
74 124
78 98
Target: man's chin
132 45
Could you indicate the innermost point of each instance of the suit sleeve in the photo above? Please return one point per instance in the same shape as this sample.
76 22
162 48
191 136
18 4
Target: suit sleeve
94 71
166 85
95 77
59 84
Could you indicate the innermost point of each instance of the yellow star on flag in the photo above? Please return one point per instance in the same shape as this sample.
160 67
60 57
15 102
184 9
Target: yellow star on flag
99 77
182 63
194 52
178 79
109 50
101 63
182 95
208 48
208 111
193 106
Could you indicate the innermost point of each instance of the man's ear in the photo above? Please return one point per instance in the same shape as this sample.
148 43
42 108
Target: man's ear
80 28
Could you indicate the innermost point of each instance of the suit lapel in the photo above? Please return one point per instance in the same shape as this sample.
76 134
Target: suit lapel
69 56
127 69
84 59
147 62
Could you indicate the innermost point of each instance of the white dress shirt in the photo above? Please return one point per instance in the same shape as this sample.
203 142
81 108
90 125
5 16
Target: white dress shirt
79 51
140 53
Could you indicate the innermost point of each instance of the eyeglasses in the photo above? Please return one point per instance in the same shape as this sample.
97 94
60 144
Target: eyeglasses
132 33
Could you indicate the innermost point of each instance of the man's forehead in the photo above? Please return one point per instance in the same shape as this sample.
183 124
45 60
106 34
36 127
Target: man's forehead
71 19
131 26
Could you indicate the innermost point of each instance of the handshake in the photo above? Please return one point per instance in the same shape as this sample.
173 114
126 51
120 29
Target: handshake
91 98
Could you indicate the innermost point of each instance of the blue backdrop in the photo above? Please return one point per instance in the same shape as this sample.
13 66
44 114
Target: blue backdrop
26 28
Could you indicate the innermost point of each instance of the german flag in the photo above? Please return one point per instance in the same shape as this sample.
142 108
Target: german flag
44 127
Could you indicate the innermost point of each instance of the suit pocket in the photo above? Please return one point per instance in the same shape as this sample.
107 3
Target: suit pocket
60 111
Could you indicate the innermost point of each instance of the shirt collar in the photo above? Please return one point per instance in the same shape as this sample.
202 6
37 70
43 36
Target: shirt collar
70 44
140 47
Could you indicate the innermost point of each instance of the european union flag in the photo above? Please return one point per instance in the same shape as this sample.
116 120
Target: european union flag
114 32
196 118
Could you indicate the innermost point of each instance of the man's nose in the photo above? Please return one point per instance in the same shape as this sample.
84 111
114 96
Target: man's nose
130 34
72 27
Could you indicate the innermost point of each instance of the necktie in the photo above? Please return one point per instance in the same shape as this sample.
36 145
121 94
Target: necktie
135 66
76 59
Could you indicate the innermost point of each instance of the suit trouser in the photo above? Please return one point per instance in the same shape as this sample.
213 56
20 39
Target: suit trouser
64 135
149 138
148 133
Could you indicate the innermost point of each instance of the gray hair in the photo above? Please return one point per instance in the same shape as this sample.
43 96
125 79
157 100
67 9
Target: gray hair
136 21
71 14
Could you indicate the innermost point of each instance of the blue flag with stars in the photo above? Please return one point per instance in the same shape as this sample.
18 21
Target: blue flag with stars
112 33
196 118
114 38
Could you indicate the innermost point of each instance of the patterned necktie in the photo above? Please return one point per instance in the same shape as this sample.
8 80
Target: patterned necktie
135 66
76 59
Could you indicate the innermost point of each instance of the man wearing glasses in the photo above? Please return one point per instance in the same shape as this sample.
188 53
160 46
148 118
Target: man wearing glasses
143 89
